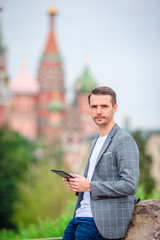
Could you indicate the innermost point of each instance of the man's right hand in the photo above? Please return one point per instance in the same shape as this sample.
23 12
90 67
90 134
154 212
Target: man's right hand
78 183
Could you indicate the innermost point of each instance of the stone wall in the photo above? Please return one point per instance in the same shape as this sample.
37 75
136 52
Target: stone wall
145 222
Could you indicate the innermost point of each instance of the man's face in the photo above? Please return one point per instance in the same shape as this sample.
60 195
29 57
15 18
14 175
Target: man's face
101 109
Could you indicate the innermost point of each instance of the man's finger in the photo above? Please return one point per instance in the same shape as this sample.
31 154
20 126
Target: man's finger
76 175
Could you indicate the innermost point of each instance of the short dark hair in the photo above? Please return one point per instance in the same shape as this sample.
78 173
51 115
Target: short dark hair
104 91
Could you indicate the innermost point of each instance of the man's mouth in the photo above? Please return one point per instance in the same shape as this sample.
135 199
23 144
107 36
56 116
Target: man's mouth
99 118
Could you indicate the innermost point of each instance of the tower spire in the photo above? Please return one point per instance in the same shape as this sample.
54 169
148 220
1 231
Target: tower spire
2 52
51 80
51 46
1 43
4 95
52 11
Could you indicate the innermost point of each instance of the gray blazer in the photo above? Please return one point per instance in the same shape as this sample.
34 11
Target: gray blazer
114 183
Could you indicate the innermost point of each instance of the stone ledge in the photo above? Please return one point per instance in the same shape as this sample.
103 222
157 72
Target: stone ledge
145 222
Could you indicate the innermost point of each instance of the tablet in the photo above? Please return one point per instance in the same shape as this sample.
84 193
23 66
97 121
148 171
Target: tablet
62 173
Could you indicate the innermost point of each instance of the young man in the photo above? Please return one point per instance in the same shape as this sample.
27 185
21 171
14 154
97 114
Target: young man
106 192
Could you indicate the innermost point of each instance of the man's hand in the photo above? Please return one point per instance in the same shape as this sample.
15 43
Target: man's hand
78 183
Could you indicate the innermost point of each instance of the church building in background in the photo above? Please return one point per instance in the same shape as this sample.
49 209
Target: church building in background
38 107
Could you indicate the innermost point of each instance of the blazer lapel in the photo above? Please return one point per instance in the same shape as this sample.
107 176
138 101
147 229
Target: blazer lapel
107 141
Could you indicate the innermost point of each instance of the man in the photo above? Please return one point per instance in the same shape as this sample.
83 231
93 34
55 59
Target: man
107 189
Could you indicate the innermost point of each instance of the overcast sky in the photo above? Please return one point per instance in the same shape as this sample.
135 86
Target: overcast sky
120 37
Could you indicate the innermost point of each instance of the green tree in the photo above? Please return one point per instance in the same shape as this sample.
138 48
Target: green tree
145 180
15 155
43 194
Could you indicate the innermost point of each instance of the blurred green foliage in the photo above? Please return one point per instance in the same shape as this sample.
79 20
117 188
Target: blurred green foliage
15 155
43 194
55 228
28 189
43 229
145 164
154 194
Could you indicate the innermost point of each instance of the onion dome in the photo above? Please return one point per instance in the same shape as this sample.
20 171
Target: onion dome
55 105
85 82
24 82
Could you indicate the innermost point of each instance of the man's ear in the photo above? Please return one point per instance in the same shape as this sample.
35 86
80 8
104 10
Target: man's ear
115 108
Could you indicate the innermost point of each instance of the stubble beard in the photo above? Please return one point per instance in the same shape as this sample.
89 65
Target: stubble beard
99 123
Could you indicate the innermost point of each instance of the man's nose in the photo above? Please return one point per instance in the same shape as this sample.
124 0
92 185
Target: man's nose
99 110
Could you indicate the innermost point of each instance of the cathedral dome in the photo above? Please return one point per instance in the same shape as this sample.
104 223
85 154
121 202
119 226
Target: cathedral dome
85 82
23 82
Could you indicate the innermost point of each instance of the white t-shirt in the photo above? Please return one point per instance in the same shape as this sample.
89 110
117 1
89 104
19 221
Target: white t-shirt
85 209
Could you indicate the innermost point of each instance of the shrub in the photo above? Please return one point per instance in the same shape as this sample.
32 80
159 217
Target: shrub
44 229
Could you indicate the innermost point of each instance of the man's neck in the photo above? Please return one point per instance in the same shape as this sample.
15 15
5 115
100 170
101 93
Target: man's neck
104 130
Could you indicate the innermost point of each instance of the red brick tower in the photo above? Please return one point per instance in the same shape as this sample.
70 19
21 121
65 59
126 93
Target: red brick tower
23 107
50 77
3 80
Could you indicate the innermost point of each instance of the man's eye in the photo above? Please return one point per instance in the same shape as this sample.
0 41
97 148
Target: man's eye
105 106
93 107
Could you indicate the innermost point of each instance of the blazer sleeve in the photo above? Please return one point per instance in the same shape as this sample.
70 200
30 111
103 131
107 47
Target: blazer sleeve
125 183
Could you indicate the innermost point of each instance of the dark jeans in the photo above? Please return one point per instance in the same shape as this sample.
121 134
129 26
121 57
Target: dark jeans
82 228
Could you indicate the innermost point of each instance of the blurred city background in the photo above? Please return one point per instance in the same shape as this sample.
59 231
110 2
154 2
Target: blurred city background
52 54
